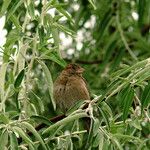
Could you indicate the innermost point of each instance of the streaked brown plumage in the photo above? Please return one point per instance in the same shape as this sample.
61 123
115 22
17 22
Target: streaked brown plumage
70 87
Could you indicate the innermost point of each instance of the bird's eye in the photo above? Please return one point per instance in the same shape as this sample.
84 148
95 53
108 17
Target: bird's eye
73 67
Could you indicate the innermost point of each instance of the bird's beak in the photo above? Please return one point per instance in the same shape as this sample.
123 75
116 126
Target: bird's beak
81 70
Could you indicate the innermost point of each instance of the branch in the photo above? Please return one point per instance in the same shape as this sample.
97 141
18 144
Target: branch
85 62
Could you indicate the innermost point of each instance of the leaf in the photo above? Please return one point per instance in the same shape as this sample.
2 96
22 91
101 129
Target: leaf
105 116
66 14
14 8
19 78
107 109
41 34
118 59
22 134
12 37
54 57
4 7
126 100
75 107
49 81
3 70
127 137
136 123
41 119
37 102
35 133
3 140
141 11
54 32
13 141
96 125
15 20
127 69
31 9
92 3
66 30
13 114
65 121
4 119
104 23
101 141
21 58
98 140
118 144
145 100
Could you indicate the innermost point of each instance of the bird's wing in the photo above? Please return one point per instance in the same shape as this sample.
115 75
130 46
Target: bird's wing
59 95
68 93
76 90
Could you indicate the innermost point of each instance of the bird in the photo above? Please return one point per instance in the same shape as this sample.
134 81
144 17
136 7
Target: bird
70 87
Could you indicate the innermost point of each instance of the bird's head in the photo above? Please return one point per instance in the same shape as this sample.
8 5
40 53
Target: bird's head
73 69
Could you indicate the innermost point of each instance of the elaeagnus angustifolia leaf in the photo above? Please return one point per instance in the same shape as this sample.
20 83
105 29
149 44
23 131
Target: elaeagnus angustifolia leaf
19 78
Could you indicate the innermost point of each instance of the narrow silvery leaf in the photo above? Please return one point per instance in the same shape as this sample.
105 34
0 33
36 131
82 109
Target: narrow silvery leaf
13 141
35 133
49 80
2 78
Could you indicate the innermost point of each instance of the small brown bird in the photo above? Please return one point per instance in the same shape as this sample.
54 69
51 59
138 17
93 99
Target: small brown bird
70 87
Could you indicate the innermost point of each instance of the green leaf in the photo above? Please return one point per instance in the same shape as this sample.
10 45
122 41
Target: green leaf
35 133
31 9
104 23
101 140
54 57
66 14
105 116
14 8
145 100
75 107
127 137
92 3
37 101
41 119
141 11
127 69
4 119
49 81
41 34
118 59
126 100
13 141
3 70
4 7
19 78
65 29
22 134
117 143
12 38
54 31
107 109
96 125
3 140
136 123
15 20
65 121
98 140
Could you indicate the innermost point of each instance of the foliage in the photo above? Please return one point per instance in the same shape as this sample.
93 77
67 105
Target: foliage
108 41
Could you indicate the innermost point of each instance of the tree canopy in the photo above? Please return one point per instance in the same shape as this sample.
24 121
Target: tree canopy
110 39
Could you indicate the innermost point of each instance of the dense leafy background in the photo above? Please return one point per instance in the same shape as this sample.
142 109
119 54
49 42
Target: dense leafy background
110 39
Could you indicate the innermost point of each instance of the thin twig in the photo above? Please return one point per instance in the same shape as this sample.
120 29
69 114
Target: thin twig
85 62
123 38
61 136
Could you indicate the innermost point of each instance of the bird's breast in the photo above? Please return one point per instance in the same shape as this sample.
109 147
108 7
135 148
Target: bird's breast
69 92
